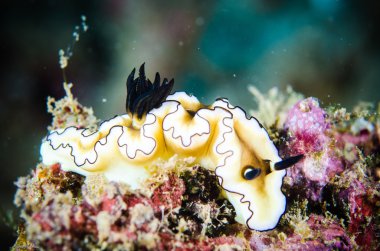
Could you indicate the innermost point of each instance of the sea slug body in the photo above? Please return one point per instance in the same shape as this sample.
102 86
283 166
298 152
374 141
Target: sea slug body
157 126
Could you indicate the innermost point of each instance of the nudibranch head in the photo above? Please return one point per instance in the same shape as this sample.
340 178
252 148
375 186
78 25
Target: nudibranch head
157 125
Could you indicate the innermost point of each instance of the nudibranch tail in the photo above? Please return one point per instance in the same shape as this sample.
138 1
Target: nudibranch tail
143 95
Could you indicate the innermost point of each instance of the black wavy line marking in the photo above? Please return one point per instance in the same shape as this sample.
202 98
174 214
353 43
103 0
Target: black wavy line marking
224 164
229 106
168 97
82 133
84 129
72 148
140 150
193 135
98 141
248 117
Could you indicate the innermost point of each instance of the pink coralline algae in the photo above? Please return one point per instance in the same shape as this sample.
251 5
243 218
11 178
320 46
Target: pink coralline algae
358 195
324 235
307 124
362 208
341 156
312 233
308 132
361 135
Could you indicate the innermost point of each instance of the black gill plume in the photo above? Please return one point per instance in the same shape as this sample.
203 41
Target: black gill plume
143 95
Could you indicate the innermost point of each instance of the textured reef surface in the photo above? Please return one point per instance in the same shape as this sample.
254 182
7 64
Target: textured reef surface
333 193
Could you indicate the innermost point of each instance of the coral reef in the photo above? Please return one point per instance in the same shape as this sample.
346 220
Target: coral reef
69 112
308 129
333 193
62 211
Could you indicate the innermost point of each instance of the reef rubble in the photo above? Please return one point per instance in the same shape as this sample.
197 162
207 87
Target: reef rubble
333 194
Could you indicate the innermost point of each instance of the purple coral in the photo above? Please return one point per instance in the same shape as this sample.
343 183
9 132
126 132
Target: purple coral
323 234
306 123
360 197
308 129
315 233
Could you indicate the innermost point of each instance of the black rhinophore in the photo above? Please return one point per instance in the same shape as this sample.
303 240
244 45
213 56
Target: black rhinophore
143 95
288 162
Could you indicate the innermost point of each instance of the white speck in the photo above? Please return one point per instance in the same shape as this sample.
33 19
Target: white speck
234 75
76 36
63 59
104 100
84 25
199 21
198 49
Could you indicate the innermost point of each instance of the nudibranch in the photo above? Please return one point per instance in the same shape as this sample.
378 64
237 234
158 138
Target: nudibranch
158 125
